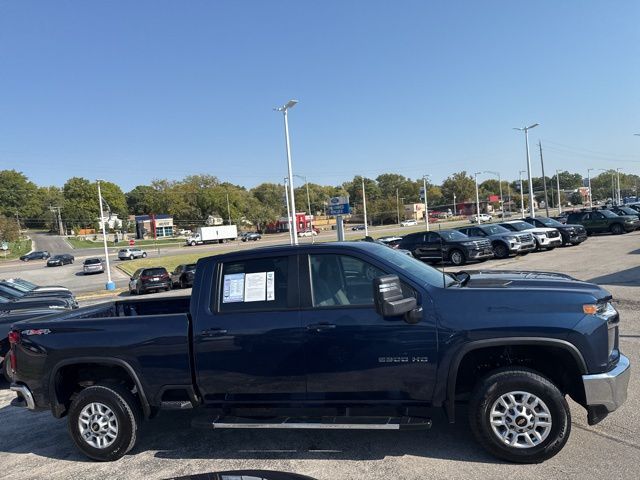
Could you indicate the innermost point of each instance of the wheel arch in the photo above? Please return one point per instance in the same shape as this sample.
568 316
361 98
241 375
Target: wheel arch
57 400
458 356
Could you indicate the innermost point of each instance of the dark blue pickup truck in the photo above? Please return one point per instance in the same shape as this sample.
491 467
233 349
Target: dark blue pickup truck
342 335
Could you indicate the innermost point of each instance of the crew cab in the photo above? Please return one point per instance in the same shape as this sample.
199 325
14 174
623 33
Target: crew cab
446 245
333 335
601 221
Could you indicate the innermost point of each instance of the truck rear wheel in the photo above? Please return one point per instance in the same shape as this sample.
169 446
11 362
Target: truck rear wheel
103 422
519 416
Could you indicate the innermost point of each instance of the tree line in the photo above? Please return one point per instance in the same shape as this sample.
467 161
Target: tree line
193 199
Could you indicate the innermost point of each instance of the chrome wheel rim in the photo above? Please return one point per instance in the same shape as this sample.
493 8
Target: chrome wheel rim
520 420
98 425
456 258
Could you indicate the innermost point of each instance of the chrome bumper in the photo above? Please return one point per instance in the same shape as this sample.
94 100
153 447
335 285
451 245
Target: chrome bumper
608 389
26 394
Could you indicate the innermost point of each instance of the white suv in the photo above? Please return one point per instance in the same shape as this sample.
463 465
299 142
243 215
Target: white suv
545 237
409 223
131 253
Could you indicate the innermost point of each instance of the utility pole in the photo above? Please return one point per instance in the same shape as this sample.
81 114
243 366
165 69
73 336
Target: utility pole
18 221
228 209
526 141
544 181
285 110
364 208
559 194
398 204
110 285
477 199
619 195
454 205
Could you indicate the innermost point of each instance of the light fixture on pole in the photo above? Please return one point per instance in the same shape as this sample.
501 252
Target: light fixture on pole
521 193
526 141
426 204
110 285
285 109
559 193
306 183
286 197
500 186
477 198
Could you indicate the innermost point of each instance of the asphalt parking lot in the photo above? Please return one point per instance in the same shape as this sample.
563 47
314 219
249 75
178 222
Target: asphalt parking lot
37 445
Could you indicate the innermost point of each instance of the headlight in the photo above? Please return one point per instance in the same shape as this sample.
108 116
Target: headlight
512 239
609 314
469 244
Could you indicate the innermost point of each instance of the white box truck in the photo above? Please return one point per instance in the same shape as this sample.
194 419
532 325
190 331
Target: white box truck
218 234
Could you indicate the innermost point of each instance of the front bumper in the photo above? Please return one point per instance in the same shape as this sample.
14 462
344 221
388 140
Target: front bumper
609 389
522 247
480 254
549 242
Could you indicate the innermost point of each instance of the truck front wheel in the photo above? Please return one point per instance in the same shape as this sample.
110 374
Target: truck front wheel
103 421
519 416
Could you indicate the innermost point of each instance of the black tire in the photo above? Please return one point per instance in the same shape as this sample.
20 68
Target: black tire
131 257
500 250
144 254
126 411
457 258
503 381
193 244
616 229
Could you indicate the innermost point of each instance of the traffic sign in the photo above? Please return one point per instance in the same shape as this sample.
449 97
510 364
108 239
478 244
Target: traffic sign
132 242
339 206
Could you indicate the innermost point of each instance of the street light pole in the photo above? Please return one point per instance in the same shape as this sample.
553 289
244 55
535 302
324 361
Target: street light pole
477 199
590 193
559 195
364 208
285 109
526 140
286 196
228 209
454 205
522 193
398 205
619 196
544 181
110 285
426 205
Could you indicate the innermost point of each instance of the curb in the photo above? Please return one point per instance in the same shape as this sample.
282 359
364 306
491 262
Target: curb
105 294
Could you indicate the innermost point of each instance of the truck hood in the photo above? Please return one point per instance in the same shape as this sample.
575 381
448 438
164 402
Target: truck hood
513 279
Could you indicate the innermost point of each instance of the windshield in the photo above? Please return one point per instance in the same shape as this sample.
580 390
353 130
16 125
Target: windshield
608 214
628 211
415 268
520 226
154 271
453 235
494 229
549 222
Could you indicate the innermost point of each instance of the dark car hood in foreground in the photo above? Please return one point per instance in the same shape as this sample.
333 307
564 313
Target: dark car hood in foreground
530 280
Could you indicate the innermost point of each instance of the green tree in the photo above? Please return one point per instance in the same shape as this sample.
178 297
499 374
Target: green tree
19 195
460 184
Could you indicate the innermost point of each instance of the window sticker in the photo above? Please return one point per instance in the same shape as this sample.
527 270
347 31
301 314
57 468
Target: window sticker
255 286
233 288
271 279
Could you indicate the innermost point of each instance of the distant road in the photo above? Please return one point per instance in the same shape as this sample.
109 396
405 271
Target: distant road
54 244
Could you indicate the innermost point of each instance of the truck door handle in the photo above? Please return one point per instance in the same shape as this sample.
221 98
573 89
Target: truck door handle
213 332
319 327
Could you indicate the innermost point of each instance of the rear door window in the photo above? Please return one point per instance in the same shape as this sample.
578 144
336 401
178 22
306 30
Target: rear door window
254 285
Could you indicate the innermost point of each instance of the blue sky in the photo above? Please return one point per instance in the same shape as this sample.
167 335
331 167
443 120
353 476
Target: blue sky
131 91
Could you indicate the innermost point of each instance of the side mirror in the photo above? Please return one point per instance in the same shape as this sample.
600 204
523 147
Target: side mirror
388 298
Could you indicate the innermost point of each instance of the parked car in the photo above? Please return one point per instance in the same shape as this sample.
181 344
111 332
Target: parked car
358 227
391 240
602 221
31 288
131 253
36 255
547 238
250 236
60 260
307 233
361 329
92 265
503 241
151 278
183 275
635 206
572 234
483 217
408 223
16 291
624 210
446 245
9 303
